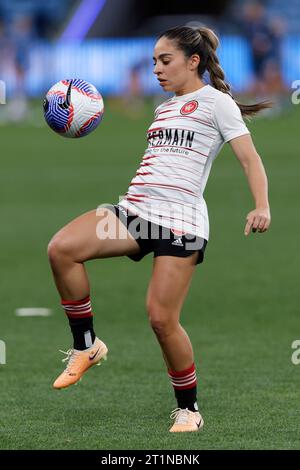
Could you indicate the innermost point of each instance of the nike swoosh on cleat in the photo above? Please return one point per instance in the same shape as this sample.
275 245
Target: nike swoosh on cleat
94 355
199 424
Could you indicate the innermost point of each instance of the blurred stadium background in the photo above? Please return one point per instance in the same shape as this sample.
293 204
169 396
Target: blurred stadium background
242 310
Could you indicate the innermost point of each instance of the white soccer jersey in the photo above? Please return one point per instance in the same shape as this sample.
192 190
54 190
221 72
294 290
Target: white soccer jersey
184 139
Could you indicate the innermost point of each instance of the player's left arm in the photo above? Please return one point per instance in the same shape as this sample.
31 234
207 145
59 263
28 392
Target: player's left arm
258 219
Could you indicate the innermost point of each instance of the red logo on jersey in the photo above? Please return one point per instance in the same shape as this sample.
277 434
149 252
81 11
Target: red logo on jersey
189 107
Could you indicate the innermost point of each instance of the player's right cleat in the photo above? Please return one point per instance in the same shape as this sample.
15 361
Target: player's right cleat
79 362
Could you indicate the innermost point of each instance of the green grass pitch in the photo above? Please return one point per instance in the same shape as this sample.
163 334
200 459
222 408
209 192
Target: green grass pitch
242 311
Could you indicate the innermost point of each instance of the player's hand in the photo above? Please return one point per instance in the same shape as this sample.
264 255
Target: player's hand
259 220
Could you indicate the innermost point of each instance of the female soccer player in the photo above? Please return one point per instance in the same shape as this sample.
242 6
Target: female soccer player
164 211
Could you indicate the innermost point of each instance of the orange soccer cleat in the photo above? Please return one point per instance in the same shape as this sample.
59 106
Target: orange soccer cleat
79 362
186 420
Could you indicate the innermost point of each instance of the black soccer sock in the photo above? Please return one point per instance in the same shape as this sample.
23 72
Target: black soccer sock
187 399
79 313
83 332
185 387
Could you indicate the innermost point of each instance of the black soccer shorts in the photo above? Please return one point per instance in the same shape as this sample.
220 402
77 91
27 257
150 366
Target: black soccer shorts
161 240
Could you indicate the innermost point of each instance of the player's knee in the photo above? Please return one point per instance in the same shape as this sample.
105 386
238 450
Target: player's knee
161 320
59 248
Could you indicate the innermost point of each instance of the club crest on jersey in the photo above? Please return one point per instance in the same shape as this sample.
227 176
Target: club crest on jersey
189 107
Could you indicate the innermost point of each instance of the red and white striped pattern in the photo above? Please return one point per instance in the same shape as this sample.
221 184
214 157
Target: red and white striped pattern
78 308
185 379
176 164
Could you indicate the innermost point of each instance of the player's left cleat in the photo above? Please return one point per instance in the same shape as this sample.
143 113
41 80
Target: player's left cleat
79 362
186 420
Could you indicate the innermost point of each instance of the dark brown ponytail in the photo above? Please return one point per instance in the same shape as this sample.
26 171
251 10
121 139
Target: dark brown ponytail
204 42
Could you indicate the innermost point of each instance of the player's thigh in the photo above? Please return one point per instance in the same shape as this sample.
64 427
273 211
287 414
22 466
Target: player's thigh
95 234
169 285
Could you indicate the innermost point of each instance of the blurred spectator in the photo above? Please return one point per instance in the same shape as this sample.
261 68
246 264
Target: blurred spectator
21 34
4 47
134 99
264 35
6 61
21 23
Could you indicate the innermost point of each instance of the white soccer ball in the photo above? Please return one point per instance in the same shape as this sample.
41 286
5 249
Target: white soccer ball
73 108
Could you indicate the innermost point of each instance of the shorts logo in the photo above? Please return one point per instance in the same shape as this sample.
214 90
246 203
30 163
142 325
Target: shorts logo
189 107
177 242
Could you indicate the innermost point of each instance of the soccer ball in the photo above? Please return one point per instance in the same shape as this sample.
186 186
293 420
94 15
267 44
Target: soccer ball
73 108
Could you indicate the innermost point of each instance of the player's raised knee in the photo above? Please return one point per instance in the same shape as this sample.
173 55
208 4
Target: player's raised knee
59 247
